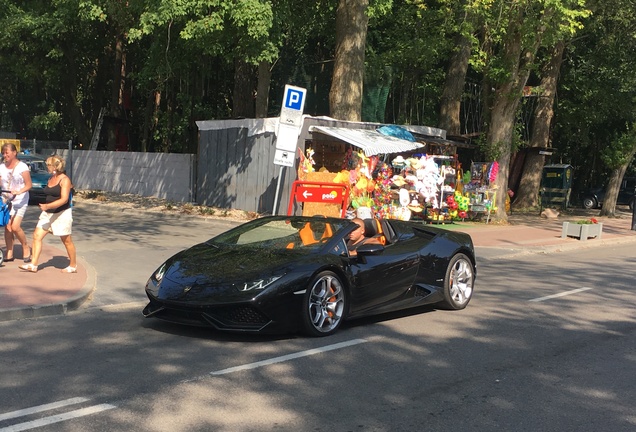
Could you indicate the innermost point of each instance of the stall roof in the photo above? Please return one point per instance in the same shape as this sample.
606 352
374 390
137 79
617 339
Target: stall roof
370 141
443 142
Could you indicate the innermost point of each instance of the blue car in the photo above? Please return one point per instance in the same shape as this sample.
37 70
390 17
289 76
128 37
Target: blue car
39 177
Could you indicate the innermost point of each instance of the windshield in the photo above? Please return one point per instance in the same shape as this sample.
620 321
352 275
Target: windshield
304 233
34 164
37 166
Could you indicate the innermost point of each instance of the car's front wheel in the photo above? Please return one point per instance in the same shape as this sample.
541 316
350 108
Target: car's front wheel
324 305
590 203
458 283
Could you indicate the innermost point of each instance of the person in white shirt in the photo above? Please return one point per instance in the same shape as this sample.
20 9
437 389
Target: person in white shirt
15 178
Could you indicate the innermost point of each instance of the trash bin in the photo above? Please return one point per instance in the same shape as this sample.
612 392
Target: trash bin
556 186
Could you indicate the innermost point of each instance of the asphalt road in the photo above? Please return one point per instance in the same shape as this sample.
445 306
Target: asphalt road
548 343
125 247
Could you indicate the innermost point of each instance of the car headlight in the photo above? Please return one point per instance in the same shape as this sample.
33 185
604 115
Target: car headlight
158 275
258 284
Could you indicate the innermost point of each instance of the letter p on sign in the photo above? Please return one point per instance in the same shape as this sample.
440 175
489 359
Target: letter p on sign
294 100
291 113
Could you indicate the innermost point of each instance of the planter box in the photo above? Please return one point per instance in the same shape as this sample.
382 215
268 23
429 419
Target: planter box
582 231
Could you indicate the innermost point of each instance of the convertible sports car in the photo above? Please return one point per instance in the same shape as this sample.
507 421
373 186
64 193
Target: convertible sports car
291 273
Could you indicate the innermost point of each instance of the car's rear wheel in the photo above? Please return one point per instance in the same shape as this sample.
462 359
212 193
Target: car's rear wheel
590 203
324 305
458 283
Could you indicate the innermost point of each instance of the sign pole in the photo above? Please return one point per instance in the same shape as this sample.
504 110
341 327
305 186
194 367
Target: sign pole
280 176
289 125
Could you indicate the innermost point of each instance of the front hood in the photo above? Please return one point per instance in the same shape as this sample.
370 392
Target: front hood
39 179
219 274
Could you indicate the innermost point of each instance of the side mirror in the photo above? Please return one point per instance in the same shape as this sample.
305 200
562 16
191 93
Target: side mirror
370 249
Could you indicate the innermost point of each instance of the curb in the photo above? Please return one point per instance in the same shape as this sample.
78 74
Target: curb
509 253
70 304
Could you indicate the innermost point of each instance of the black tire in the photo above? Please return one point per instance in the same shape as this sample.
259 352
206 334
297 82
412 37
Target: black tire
324 305
631 204
459 282
589 203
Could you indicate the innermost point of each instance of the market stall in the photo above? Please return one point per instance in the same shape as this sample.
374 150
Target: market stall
479 188
388 176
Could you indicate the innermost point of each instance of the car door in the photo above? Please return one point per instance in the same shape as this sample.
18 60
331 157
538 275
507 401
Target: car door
383 277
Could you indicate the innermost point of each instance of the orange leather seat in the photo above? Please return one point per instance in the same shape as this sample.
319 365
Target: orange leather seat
315 232
373 229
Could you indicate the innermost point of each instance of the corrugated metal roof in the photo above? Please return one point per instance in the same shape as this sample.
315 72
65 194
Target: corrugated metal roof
370 141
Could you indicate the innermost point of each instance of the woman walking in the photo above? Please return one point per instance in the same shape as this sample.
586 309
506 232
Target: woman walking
56 216
15 177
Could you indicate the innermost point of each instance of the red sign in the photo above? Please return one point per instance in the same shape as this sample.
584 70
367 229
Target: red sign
318 194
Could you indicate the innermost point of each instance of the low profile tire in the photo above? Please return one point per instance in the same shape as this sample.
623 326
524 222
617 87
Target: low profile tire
324 305
589 203
458 283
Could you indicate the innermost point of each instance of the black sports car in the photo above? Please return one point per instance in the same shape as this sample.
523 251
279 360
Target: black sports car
289 273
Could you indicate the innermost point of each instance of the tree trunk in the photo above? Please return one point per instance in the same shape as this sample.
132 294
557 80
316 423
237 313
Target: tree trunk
147 123
262 89
116 91
406 85
507 98
450 103
527 195
613 186
243 94
72 107
499 141
345 96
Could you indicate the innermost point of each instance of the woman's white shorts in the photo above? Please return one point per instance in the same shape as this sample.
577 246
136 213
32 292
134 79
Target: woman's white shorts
58 224
19 210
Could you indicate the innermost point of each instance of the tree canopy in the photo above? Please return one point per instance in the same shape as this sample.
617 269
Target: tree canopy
157 66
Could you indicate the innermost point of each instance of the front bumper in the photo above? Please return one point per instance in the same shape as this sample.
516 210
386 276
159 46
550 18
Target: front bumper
240 318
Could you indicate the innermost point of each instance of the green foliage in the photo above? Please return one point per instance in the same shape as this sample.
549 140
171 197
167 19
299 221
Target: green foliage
211 24
179 63
379 8
46 123
618 152
529 23
597 91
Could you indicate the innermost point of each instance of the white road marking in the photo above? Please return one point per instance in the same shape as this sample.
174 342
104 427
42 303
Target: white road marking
40 408
289 357
563 294
57 418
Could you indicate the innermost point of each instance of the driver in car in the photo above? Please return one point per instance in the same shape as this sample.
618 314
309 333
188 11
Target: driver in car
357 237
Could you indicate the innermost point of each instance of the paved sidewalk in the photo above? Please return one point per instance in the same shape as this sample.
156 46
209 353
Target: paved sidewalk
51 292
47 292
527 234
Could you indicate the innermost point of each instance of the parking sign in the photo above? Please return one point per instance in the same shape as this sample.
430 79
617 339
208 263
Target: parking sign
289 125
293 104
294 99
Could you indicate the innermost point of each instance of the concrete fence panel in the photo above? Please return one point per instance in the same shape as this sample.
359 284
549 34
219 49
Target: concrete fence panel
164 175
